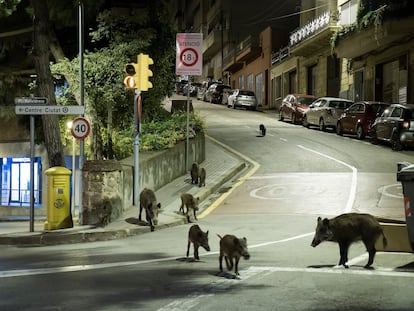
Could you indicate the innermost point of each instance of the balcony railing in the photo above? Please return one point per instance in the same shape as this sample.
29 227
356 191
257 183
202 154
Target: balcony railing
279 56
310 28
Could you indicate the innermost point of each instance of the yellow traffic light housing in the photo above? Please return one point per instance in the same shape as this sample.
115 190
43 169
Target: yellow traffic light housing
131 79
144 72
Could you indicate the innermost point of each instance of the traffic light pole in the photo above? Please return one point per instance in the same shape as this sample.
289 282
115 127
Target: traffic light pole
137 121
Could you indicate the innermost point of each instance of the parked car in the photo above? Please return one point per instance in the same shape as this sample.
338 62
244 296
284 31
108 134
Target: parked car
209 91
179 86
358 118
293 107
395 126
217 93
325 111
242 98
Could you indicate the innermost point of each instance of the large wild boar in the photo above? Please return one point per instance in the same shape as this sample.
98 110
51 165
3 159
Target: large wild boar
232 248
148 201
190 202
202 177
194 173
198 238
347 229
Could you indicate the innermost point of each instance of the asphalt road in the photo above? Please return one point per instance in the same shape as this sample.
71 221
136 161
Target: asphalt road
295 174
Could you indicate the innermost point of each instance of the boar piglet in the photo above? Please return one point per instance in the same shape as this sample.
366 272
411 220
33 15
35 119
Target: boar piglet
232 248
190 202
348 228
202 177
194 173
198 238
148 201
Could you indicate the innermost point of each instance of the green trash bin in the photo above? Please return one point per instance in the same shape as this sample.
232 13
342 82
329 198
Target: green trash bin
59 215
405 174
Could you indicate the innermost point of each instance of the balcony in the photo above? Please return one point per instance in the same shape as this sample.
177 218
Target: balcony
359 43
313 36
281 55
230 63
248 50
212 43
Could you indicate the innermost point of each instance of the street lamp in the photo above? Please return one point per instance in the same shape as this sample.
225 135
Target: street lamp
69 126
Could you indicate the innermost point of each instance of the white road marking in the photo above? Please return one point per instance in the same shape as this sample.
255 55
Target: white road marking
352 193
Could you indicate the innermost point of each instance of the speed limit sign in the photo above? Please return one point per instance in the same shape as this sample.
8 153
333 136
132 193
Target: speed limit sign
80 128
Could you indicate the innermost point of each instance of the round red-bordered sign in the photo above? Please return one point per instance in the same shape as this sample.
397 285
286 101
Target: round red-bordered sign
189 57
80 128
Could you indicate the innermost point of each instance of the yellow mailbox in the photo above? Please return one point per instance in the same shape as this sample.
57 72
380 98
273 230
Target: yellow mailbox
59 215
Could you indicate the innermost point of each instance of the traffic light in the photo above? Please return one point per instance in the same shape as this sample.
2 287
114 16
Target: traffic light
131 79
144 72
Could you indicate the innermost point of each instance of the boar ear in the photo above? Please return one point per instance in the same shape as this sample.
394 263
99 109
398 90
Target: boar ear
159 205
236 241
319 219
326 222
207 232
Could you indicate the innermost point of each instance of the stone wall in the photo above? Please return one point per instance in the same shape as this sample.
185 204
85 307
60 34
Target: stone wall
108 185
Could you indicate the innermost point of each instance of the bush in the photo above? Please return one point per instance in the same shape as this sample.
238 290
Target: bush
157 135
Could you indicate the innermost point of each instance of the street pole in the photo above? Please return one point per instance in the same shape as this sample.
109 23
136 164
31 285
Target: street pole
187 153
81 103
32 154
137 121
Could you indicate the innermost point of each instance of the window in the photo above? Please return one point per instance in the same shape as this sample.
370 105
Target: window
250 82
397 112
349 12
241 82
312 80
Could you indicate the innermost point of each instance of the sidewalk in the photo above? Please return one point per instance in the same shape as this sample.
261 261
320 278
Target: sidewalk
220 164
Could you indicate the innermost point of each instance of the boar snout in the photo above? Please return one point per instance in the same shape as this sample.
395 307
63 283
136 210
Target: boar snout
315 242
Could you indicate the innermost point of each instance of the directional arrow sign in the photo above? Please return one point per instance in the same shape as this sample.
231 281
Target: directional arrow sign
48 109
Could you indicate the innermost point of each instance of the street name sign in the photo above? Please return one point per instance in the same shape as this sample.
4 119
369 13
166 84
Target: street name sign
30 100
48 109
189 58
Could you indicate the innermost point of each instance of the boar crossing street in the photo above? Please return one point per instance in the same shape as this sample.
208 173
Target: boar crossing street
232 248
198 238
148 201
189 202
347 229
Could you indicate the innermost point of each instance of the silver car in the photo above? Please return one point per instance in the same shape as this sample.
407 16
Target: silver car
325 111
242 98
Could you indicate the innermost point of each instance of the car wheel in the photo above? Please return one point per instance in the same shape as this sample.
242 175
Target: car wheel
339 129
396 144
359 132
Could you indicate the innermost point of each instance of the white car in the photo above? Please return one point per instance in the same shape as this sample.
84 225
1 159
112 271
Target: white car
242 98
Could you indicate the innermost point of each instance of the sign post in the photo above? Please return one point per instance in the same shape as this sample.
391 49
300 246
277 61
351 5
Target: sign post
189 61
38 106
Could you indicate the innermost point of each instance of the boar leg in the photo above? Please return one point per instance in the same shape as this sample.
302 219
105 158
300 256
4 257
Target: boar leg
194 212
196 251
140 212
343 251
236 265
229 263
221 261
371 252
188 247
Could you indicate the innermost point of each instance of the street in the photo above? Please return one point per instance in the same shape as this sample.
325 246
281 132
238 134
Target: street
293 176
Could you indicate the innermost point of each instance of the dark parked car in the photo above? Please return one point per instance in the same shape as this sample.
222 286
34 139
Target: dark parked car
325 111
217 93
293 107
358 119
395 126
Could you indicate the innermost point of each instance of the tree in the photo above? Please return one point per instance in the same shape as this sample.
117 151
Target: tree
45 82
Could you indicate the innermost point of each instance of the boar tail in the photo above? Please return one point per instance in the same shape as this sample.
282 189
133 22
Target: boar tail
219 236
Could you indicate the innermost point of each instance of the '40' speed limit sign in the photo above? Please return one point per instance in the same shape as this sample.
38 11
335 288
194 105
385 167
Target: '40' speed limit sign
80 128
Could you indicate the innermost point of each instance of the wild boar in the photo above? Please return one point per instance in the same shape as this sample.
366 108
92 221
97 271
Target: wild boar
148 201
190 202
202 177
198 238
348 228
262 129
194 173
231 248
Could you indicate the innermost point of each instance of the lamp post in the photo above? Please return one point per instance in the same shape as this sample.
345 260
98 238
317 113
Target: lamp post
69 126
